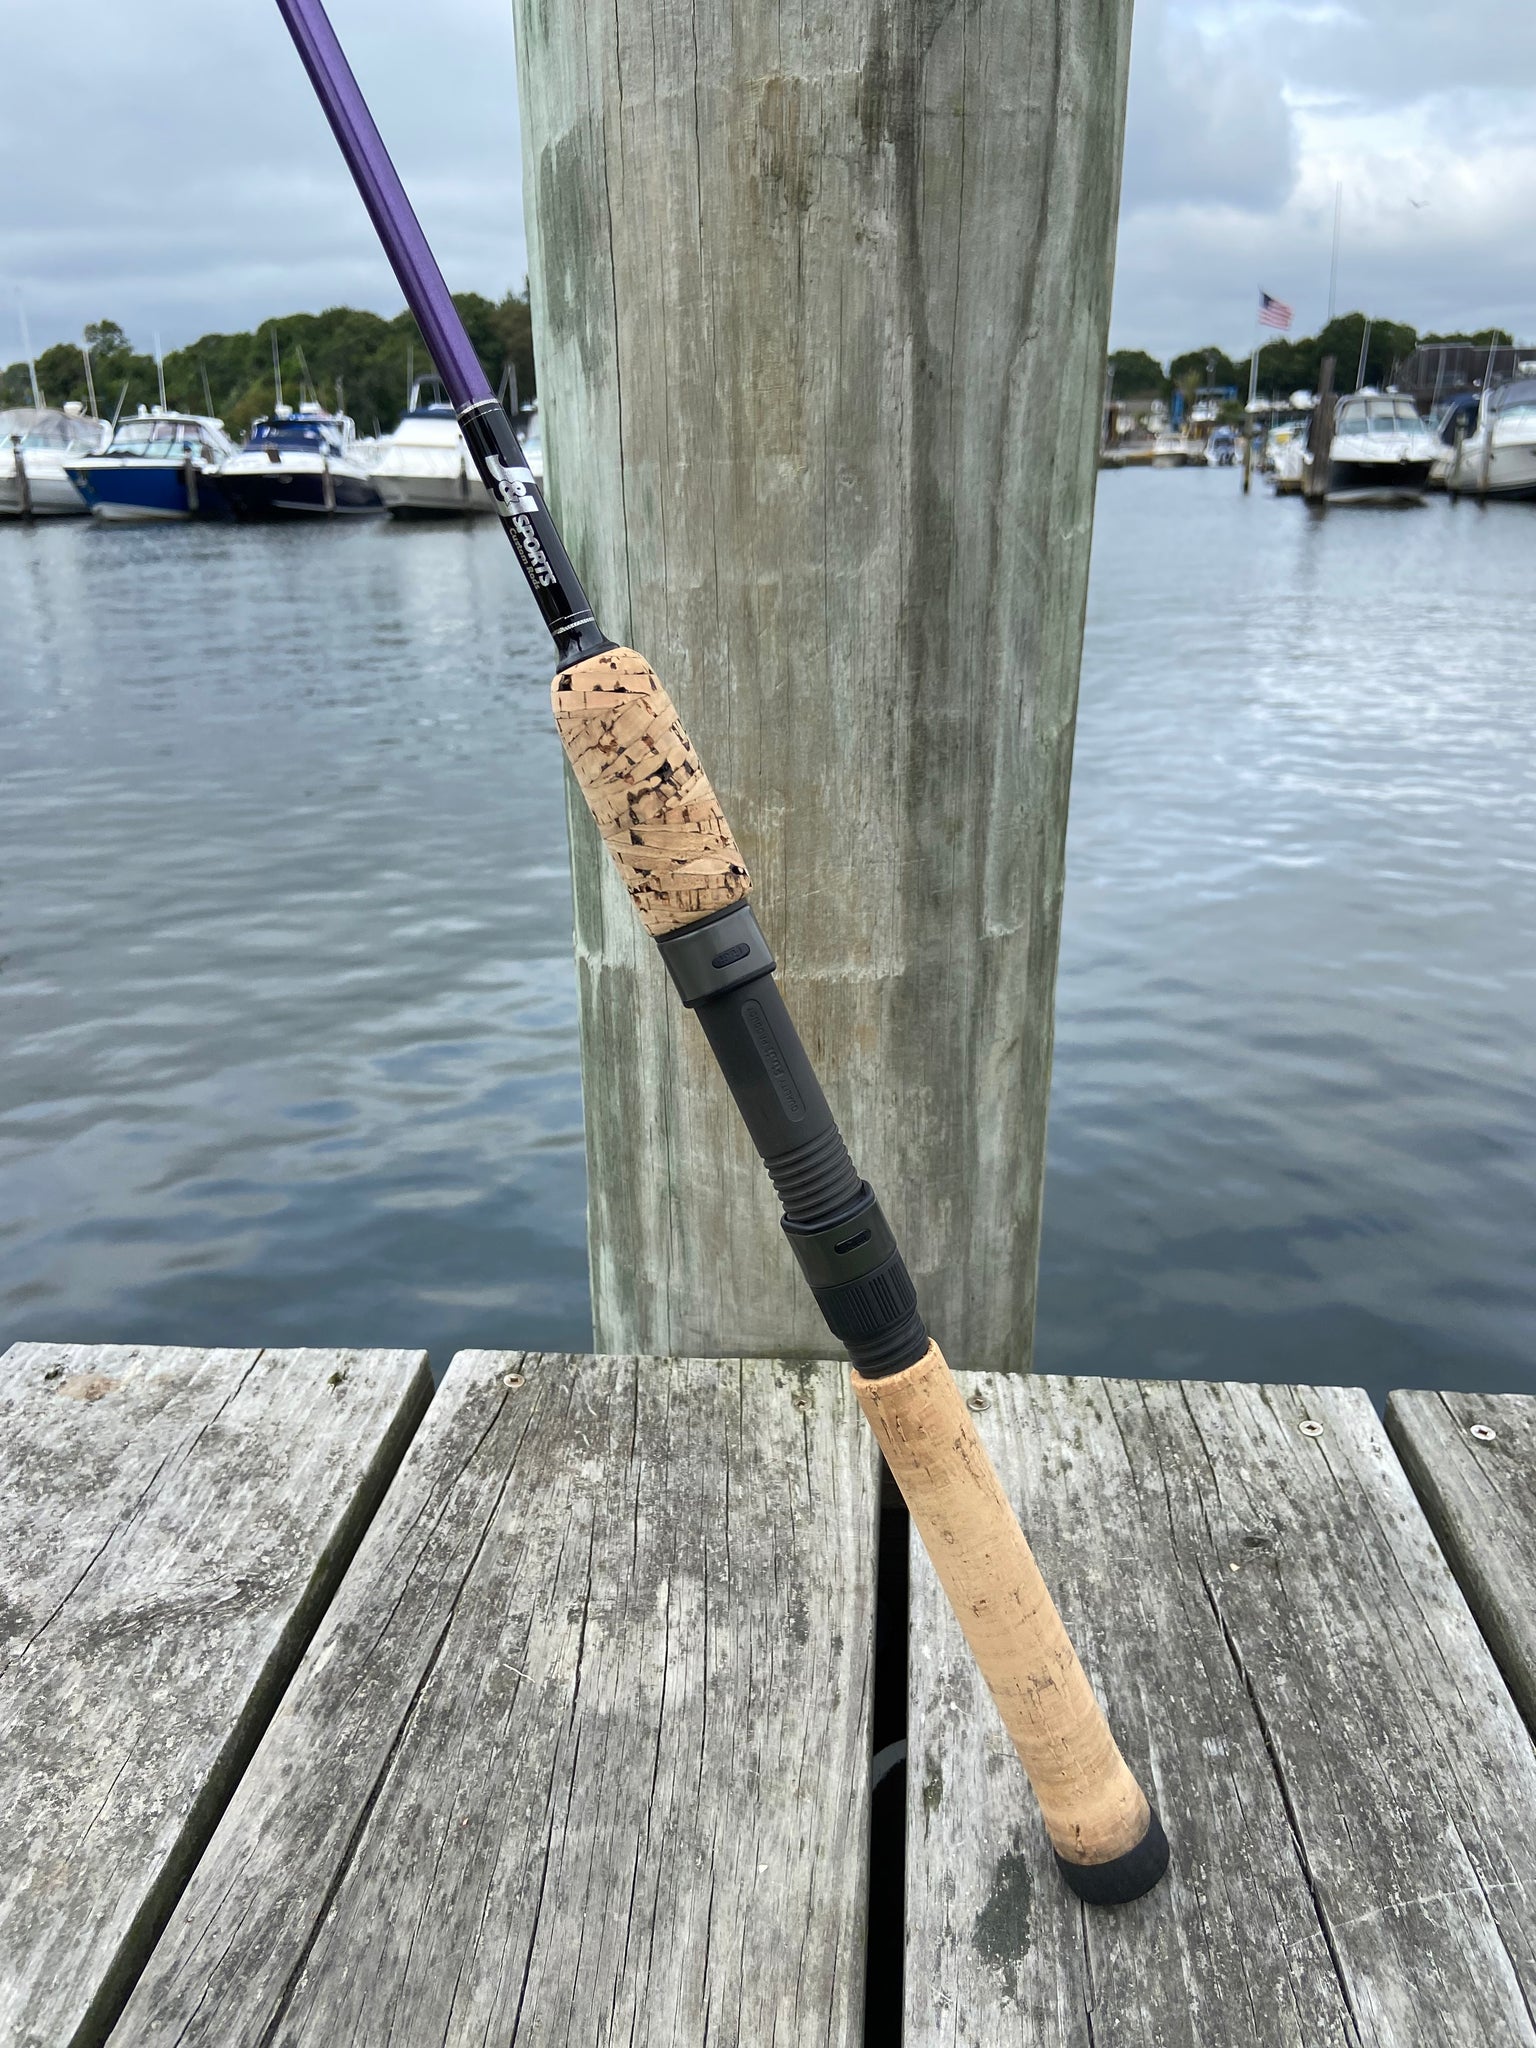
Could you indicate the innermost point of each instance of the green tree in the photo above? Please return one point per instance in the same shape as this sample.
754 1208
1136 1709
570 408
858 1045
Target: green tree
355 359
1136 374
107 342
1486 337
1204 369
1287 365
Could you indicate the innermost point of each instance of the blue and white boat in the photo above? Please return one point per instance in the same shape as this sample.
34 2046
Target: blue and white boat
158 465
299 464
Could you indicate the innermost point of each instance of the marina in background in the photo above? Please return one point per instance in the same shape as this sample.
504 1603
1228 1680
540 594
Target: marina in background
1442 414
292 1009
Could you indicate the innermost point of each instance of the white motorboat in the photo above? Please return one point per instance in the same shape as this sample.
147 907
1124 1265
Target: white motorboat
1176 451
1284 459
531 434
424 466
35 453
1381 452
1498 458
1287 467
298 464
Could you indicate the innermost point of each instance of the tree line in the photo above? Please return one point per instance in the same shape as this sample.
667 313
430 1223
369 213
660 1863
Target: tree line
355 361
360 363
1287 364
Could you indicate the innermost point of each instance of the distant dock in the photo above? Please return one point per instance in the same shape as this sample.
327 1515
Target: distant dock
542 1710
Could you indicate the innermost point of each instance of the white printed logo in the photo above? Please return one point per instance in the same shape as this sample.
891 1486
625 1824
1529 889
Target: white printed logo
513 487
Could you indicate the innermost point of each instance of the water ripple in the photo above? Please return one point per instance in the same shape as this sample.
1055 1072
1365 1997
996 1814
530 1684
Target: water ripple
289 1008
289 1014
1295 1093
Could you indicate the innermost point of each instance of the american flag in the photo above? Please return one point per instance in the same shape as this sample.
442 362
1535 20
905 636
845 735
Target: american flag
1273 312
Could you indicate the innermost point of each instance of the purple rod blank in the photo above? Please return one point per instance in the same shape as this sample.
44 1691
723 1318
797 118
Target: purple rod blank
384 196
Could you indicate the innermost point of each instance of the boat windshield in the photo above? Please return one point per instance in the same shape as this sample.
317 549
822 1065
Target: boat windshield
1390 416
166 440
295 434
1523 410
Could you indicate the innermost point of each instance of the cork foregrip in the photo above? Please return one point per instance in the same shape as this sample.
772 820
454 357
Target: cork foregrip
653 803
1094 1809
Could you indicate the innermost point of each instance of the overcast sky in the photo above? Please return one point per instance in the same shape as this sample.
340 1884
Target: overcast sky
163 164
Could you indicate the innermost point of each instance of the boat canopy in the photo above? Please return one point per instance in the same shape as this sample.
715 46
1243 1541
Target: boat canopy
298 431
65 431
1458 414
1519 395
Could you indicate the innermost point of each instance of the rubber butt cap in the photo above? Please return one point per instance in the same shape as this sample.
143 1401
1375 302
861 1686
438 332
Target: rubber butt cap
1117 1883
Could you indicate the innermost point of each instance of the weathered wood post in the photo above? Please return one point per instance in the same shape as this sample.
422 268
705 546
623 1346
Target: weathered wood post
820 304
23 481
1320 436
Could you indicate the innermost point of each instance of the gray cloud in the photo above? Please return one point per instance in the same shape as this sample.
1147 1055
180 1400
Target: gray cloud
1205 122
180 176
1397 101
1386 53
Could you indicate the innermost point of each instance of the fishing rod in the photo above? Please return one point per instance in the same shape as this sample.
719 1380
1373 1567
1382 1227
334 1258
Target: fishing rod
662 823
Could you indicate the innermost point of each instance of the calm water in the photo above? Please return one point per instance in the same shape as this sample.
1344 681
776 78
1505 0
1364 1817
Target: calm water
289 1016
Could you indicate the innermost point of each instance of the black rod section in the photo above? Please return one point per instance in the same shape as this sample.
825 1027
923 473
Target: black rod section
723 971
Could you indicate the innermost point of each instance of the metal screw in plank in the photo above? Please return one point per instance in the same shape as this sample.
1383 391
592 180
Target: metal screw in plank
1482 1432
1311 1429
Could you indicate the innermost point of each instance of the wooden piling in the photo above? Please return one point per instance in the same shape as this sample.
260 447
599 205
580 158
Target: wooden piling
820 305
23 482
1320 436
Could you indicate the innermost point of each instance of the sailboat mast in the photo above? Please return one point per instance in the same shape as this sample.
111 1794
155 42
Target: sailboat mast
26 349
160 373
90 381
1333 267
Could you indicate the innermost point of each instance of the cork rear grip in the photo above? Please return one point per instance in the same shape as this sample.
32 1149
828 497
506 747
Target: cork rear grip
1095 1812
653 803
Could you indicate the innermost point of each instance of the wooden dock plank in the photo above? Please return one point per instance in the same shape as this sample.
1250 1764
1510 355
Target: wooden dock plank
1479 1493
581 1751
172 1523
1348 1787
